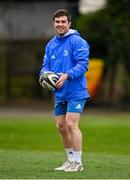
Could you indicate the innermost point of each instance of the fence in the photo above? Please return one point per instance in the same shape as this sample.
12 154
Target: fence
20 63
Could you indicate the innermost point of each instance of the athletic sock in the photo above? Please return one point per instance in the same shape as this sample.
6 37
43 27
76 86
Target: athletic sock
77 156
70 154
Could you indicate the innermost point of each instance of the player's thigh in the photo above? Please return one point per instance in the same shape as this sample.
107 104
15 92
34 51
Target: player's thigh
60 121
74 110
72 118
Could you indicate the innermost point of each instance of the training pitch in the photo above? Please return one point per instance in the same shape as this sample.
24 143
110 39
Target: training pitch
30 147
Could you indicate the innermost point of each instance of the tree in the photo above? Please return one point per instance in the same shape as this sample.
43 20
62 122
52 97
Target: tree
108 32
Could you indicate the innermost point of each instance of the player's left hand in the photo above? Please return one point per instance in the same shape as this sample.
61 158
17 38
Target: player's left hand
61 81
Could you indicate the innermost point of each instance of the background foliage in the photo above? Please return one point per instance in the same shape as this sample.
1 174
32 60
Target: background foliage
107 31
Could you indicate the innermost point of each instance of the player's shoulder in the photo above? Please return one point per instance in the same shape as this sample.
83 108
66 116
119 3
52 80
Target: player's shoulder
51 42
77 39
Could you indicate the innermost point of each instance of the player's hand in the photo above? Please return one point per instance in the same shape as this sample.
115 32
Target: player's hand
61 81
40 79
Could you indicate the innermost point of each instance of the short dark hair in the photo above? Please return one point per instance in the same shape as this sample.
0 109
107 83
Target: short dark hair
62 12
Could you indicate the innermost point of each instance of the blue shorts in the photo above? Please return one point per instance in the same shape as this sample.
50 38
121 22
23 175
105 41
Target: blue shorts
61 108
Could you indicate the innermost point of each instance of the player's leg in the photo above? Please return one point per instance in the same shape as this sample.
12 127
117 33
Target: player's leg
60 111
72 119
63 129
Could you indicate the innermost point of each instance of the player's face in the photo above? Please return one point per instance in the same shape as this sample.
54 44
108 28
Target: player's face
61 25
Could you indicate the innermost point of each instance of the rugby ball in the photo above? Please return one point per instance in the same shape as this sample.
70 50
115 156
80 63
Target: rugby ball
48 80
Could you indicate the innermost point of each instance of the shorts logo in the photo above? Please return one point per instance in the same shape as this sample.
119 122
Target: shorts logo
78 106
53 56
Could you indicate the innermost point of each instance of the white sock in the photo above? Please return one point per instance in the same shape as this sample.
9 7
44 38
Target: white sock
70 154
77 156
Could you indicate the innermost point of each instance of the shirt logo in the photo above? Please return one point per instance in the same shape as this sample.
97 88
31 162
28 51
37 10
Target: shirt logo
78 106
65 53
53 56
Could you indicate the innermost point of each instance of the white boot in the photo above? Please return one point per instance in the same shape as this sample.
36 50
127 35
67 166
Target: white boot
64 166
74 167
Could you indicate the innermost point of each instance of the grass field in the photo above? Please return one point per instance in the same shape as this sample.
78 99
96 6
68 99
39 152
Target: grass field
30 147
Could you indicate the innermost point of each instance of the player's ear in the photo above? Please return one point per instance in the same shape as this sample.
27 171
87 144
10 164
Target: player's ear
69 23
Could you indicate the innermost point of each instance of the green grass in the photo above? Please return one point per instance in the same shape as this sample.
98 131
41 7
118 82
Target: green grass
30 147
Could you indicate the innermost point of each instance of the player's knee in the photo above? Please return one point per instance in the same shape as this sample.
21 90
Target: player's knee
61 127
71 125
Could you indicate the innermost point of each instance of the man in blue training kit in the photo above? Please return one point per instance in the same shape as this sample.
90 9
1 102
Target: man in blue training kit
67 53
